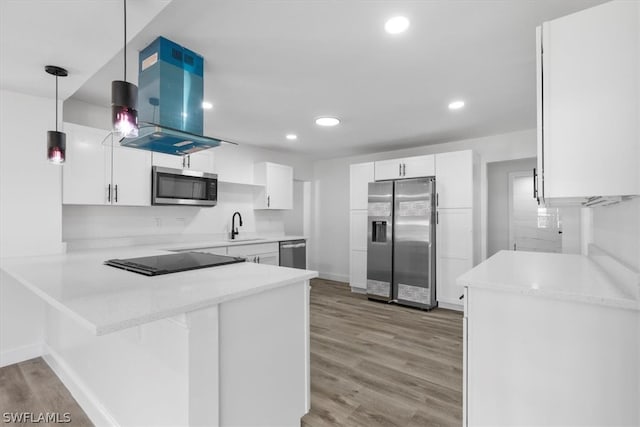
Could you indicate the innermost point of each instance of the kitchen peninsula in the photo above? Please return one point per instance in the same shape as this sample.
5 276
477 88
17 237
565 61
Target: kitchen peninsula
216 346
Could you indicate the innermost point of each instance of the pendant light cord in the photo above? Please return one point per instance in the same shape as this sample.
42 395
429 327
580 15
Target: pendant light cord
125 40
56 103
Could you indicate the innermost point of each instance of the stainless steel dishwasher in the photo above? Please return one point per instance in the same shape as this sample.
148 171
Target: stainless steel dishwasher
293 253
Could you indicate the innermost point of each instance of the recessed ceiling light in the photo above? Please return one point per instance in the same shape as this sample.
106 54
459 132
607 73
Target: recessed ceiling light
396 25
456 105
207 105
327 121
292 137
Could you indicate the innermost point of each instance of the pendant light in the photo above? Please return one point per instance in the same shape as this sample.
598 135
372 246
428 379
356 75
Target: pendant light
124 98
56 141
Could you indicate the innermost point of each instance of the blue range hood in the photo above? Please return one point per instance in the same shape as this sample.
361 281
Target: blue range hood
170 92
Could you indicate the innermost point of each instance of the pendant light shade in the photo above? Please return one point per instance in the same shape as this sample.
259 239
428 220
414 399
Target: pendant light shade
124 98
124 115
56 146
56 141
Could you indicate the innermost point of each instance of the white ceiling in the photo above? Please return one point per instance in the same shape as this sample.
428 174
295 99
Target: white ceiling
273 66
79 35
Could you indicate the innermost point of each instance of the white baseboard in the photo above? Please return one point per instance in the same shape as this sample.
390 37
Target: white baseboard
83 395
450 305
358 290
334 277
20 354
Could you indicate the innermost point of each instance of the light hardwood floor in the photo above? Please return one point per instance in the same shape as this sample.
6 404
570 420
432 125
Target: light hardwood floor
31 386
376 364
372 364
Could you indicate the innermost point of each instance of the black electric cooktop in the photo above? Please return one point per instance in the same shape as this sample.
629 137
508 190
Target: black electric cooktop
172 263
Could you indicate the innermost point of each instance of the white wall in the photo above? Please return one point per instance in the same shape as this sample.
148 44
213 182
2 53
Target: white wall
30 214
330 256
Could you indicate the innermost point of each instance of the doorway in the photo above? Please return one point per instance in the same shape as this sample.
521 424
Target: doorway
531 228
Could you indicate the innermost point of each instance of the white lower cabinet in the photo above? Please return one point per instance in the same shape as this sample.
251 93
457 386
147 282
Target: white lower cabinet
358 270
542 361
261 253
454 253
100 172
358 249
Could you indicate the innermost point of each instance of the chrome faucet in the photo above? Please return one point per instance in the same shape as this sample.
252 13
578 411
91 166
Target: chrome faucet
234 229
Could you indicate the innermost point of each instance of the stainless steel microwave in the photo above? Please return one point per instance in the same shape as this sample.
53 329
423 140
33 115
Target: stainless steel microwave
183 187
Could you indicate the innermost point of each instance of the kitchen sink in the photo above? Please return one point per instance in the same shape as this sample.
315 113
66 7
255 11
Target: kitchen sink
247 239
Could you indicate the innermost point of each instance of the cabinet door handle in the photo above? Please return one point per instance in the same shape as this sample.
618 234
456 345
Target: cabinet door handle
399 169
189 161
404 169
109 193
535 184
437 217
183 162
258 259
268 201
437 199
115 189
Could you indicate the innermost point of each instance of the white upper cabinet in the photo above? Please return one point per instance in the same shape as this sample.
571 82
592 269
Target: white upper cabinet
200 161
409 167
589 103
167 160
131 177
86 174
361 174
454 179
417 166
277 180
100 172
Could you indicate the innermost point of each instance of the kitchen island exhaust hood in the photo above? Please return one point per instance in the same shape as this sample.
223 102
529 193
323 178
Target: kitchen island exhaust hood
170 94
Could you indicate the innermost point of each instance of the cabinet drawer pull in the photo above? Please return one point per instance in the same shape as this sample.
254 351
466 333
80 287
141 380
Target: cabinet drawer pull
268 201
535 184
109 193
115 198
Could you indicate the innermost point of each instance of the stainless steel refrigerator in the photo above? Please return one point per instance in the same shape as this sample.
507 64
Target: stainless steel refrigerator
401 242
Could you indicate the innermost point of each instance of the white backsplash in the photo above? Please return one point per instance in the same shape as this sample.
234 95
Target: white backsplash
113 222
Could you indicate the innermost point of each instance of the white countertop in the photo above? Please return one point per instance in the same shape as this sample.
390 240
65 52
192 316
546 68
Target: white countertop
107 299
561 276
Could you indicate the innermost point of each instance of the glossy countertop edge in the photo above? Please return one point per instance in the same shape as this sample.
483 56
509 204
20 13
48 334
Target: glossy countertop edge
145 250
468 279
223 243
115 327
